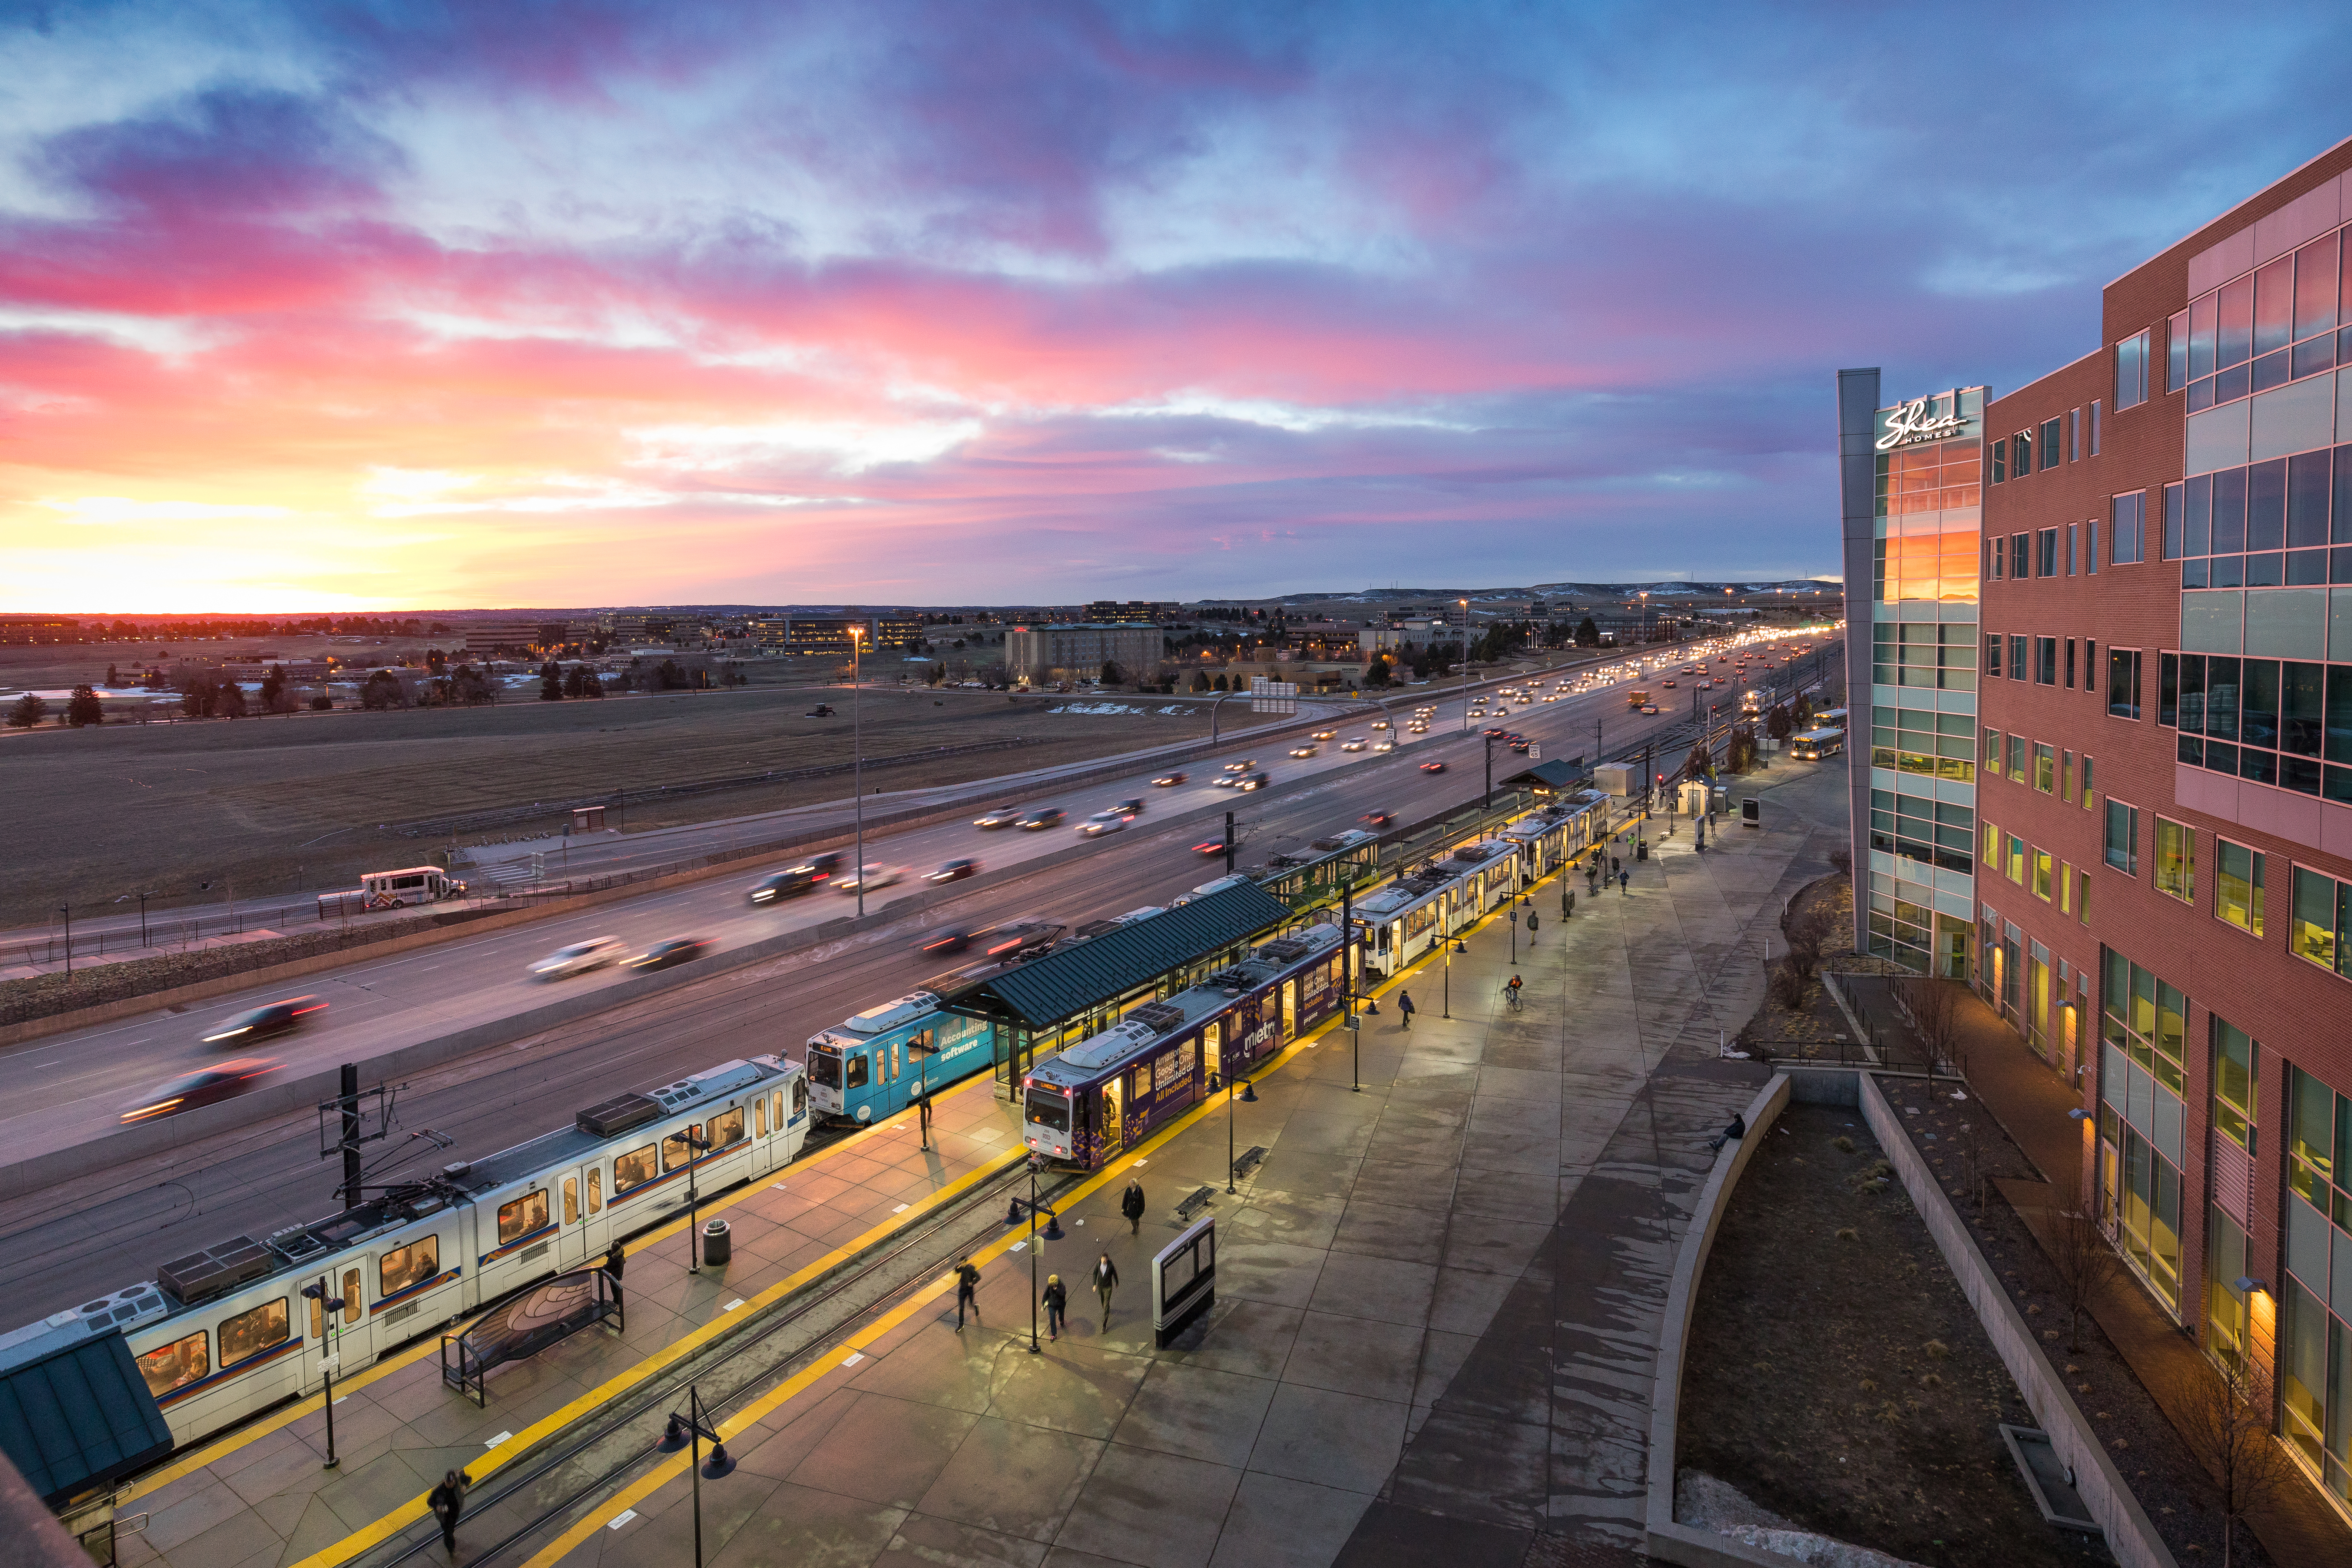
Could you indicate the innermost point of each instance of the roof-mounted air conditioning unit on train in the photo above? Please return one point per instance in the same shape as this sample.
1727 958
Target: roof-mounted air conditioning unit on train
214 1271
616 1116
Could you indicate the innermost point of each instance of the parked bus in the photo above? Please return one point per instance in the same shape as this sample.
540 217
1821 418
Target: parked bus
1815 745
1830 719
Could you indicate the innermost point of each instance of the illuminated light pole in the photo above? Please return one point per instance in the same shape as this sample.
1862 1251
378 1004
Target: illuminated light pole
1465 662
857 759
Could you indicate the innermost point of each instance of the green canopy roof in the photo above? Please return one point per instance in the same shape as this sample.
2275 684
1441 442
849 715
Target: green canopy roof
1067 983
1556 774
80 1417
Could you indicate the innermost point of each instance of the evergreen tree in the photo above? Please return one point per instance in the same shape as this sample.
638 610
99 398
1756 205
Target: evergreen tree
1587 634
83 707
1111 674
551 683
231 702
28 712
273 687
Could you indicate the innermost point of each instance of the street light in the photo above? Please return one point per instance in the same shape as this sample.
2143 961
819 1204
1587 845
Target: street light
1033 1208
328 1307
695 1144
1465 662
857 757
688 1431
1249 1095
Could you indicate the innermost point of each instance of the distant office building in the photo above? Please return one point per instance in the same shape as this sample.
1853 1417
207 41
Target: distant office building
518 638
1077 651
831 634
639 626
39 629
298 671
1132 612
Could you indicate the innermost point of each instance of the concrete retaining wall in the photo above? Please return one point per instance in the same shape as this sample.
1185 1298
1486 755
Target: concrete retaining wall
2130 1535
1669 1541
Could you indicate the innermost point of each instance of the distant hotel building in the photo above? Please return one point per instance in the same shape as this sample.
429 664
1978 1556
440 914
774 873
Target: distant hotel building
1077 652
517 638
2164 851
831 634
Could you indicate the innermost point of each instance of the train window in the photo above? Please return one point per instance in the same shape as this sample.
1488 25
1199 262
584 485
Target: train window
176 1366
727 1128
354 1308
1187 1056
677 1151
634 1169
857 1070
253 1330
571 1200
398 1269
800 1098
777 1101
595 1190
759 1116
520 1217
317 1319
1048 1108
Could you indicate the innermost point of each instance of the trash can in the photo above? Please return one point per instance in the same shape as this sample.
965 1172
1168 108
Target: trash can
1642 850
717 1243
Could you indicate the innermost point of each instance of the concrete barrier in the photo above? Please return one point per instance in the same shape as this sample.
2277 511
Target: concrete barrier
1669 1541
2131 1536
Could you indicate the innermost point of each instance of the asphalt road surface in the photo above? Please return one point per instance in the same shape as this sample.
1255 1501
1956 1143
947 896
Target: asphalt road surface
77 1239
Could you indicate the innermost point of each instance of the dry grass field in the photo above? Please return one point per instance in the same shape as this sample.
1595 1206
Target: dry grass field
283 803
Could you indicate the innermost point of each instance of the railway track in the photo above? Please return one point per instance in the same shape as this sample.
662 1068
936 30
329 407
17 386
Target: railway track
576 1469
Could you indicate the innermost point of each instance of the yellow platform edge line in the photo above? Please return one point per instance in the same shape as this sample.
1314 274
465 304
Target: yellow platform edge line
220 1447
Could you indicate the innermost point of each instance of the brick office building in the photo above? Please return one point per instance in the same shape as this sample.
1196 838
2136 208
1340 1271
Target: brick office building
2164 883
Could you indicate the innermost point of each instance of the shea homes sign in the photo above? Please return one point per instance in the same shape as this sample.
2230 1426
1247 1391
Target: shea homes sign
1947 413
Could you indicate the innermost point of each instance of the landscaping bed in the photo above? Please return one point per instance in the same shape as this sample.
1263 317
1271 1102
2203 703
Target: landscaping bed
1838 1376
1964 1146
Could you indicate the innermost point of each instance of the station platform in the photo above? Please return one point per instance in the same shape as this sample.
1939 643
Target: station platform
1437 1301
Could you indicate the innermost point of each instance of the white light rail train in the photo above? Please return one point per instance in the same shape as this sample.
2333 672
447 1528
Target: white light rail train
227 1331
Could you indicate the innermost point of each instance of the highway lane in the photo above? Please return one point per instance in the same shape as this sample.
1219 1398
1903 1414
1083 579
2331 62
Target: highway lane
73 1086
81 1237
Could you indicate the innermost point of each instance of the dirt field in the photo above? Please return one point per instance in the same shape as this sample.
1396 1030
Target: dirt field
284 804
1838 1376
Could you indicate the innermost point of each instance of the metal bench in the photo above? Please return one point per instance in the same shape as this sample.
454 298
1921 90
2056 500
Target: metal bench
1249 1160
1195 1203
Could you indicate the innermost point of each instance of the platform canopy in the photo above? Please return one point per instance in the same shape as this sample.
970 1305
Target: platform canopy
1557 774
80 1417
1084 975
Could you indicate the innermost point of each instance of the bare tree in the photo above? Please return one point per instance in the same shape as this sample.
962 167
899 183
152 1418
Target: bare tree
2225 1419
1933 1010
2082 1261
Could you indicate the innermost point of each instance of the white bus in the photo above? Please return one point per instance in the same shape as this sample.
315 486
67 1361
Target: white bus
1814 746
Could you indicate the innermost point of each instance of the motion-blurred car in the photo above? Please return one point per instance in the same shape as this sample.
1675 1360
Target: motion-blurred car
1169 780
1248 782
1379 723
1384 745
1378 818
1353 744
1496 733
1432 767
1670 686
821 711
998 817
1103 822
1520 747
1326 734
794 880
579 958
206 1086
1132 806
667 955
954 870
1302 751
260 1023
1213 847
1042 818
866 878
1649 708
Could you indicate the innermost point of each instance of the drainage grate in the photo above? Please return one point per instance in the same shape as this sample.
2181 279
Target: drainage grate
2052 1483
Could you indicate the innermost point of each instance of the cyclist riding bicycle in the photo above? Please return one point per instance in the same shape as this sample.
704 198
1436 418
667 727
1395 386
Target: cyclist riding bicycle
1511 990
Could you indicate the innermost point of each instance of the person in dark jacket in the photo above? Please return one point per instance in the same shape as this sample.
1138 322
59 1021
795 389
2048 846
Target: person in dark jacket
1624 881
1057 1297
967 1280
614 1258
1738 1128
1130 1203
1405 1007
448 1501
1106 1281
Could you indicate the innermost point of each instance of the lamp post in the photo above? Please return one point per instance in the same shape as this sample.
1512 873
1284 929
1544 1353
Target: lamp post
67 910
1465 662
688 1431
328 1307
1347 978
1053 1232
857 757
1249 1095
1515 936
695 1144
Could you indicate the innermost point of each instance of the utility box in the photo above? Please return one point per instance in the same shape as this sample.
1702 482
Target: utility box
1614 778
1751 813
1694 797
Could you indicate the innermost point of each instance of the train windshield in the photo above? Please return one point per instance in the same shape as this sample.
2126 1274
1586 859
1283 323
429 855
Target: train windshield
1048 1108
824 1067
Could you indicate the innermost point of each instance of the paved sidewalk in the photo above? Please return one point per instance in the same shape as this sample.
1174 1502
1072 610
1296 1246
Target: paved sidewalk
2030 1100
1438 1296
260 1497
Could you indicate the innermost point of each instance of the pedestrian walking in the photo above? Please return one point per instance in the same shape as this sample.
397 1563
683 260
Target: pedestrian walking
1057 1301
1106 1281
1405 1007
1531 925
614 1258
967 1279
1130 1203
1616 867
1624 881
448 1501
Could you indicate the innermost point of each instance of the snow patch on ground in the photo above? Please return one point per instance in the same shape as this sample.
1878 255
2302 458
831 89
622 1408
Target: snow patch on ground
1116 708
1706 1503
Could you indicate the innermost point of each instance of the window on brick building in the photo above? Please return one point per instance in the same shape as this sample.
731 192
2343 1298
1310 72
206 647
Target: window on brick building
2176 859
2087 782
2126 525
2131 372
2016 769
2175 515
2045 769
2319 927
2070 664
2021 555
2045 545
2095 427
2071 542
2045 661
2238 886
2016 859
2123 683
1993 846
2051 455
2073 434
2017 668
2043 864
2121 847
1993 654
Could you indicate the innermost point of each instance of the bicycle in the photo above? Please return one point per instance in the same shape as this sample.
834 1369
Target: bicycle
1511 997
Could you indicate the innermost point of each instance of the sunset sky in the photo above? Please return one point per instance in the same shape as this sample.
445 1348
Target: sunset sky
378 306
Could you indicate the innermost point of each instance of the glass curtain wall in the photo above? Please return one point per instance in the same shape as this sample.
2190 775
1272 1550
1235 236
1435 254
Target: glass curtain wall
2142 1026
